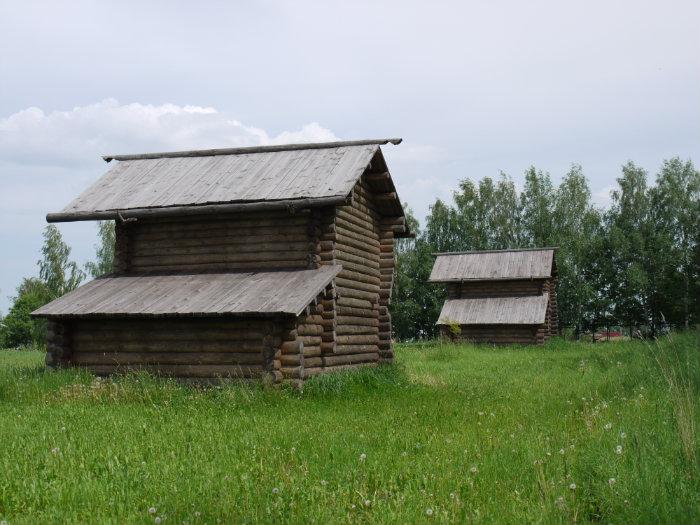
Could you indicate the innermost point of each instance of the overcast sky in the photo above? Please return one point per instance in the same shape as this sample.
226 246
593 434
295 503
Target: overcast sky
473 88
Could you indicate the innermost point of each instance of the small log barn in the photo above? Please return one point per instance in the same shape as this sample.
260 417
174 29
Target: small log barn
269 262
498 296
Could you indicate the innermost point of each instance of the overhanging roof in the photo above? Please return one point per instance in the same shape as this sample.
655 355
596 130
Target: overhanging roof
234 179
535 263
526 310
210 294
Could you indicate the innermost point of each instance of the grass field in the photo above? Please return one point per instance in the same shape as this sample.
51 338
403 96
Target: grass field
556 434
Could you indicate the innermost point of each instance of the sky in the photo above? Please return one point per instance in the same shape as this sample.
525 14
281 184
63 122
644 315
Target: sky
473 87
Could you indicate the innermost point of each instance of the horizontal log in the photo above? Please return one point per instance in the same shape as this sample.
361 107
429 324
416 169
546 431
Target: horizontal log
345 329
368 339
358 231
292 347
292 372
353 303
313 362
309 329
310 340
312 351
350 359
355 349
342 282
165 346
166 358
228 371
328 347
250 265
353 311
344 320
371 297
357 268
233 256
191 336
291 360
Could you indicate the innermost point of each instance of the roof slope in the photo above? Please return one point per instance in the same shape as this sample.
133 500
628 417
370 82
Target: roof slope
491 265
495 310
267 174
245 293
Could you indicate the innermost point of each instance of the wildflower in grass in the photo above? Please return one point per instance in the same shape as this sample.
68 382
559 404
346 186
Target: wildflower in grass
618 449
428 512
275 490
612 481
607 426
363 456
152 510
55 450
63 429
157 520
324 482
367 503
572 486
473 470
623 435
481 413
197 514
353 507
561 451
452 495
549 453
294 449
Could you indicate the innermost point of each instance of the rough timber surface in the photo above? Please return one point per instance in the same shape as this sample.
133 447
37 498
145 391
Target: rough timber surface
266 293
245 177
526 310
492 265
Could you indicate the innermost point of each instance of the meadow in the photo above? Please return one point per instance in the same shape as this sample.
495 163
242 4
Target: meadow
567 432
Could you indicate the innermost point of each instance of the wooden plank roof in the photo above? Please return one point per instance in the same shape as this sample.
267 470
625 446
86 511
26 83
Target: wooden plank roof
272 176
490 265
211 294
495 310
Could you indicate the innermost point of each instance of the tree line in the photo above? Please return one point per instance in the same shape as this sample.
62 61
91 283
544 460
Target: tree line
635 264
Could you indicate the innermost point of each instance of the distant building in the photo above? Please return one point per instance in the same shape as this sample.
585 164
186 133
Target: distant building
272 261
498 296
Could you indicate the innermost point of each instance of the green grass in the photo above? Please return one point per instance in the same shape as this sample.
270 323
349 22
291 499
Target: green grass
449 434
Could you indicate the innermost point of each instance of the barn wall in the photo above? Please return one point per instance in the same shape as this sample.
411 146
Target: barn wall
496 334
501 288
258 240
357 248
182 347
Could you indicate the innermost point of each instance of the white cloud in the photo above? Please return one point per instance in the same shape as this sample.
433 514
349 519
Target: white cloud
78 136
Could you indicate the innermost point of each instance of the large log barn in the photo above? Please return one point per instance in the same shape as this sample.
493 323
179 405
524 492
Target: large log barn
499 296
269 262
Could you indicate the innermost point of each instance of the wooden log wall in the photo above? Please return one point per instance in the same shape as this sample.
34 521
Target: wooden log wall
259 241
180 347
58 344
496 334
357 248
502 288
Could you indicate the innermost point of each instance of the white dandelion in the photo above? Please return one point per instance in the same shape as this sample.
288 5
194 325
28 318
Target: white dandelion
55 450
612 481
608 426
562 451
157 520
367 503
623 435
428 512
275 490
324 482
572 486
618 449
363 456
152 510
473 470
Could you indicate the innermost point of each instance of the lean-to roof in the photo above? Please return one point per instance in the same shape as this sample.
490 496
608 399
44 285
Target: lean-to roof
210 294
495 310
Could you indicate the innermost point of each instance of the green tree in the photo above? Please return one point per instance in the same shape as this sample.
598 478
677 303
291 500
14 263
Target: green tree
577 231
537 209
675 209
60 274
104 251
18 328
